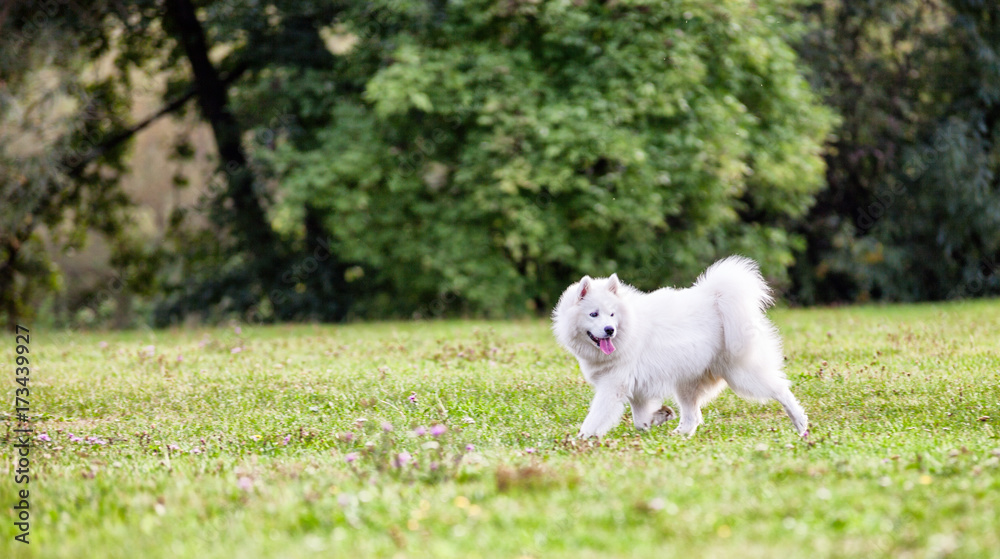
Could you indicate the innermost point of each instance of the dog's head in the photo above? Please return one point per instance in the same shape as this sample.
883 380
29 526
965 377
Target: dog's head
590 313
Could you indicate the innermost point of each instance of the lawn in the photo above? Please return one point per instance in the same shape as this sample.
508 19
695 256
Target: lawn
453 439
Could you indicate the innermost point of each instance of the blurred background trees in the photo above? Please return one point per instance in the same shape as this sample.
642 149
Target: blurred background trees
175 160
911 210
501 150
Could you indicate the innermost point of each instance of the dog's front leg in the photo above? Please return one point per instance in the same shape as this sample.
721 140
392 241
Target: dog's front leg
605 412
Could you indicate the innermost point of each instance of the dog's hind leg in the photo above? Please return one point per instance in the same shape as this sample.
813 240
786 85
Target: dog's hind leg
692 396
687 399
770 387
794 411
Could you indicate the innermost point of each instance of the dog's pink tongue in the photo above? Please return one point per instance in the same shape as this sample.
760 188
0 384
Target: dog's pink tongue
606 346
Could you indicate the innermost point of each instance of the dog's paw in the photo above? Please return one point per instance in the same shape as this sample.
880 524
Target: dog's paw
663 415
685 430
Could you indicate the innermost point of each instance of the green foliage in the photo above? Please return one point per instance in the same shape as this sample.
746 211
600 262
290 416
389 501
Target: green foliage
50 115
912 211
475 157
944 241
504 150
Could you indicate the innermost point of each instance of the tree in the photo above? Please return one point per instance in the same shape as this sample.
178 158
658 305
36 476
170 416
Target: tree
78 180
481 154
47 135
259 276
912 211
504 149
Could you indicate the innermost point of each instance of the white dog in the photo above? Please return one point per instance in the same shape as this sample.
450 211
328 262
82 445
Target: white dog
682 343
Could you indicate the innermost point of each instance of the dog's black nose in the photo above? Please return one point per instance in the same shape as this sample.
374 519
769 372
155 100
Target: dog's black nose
609 330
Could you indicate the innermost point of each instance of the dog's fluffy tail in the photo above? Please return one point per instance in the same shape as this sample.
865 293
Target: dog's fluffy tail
741 296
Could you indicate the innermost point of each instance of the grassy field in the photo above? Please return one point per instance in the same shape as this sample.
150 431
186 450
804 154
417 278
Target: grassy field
451 439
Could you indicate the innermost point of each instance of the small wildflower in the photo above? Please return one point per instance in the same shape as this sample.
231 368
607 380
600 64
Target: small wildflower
44 437
196 451
386 426
412 397
402 459
244 483
347 437
236 350
180 358
102 344
351 457
530 450
173 447
438 430
238 330
149 350
285 440
420 431
470 447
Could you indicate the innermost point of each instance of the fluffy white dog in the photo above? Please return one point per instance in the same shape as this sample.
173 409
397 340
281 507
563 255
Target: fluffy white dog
688 344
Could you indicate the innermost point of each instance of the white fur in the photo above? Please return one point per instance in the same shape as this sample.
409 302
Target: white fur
688 344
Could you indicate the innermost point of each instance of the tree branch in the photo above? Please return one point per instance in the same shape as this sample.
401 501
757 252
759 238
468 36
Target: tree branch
117 139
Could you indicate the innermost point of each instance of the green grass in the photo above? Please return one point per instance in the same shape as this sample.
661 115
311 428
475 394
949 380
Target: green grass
903 459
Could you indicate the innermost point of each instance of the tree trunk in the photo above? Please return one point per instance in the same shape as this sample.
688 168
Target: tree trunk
8 296
247 217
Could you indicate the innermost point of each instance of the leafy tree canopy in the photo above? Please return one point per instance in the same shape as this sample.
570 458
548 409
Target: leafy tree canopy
502 149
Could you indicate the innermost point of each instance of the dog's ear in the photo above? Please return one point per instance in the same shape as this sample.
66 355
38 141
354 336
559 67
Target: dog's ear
613 284
584 287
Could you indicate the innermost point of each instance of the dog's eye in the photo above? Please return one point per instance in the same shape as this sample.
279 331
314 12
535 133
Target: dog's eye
593 314
612 314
